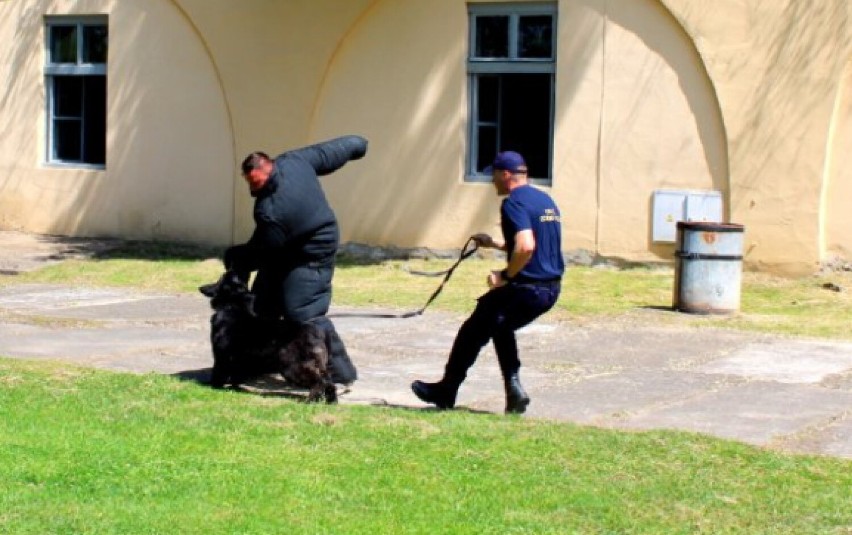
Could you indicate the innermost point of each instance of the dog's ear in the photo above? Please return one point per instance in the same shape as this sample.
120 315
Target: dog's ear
209 290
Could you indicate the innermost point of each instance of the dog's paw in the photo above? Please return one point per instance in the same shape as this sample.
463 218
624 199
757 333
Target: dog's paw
330 393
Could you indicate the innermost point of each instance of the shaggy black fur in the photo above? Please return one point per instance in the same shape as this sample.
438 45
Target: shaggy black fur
246 346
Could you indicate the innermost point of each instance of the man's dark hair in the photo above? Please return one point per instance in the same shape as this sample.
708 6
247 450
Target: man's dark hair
253 161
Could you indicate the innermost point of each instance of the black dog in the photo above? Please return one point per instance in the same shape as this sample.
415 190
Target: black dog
246 346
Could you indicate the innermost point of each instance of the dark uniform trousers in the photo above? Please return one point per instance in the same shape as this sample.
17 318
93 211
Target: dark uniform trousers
298 293
498 314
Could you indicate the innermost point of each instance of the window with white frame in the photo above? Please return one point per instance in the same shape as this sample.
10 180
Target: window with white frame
76 81
511 77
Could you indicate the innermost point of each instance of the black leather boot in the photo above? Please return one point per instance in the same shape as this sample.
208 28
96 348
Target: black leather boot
516 398
440 394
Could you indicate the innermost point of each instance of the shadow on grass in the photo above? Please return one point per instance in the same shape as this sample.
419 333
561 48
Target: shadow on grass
275 387
147 250
200 376
108 249
349 254
265 385
660 308
57 248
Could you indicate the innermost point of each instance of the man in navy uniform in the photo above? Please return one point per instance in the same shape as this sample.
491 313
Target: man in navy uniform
527 288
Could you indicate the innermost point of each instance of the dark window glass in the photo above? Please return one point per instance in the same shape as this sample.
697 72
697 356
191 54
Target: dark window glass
79 126
63 44
492 37
524 113
487 146
535 37
94 109
95 44
525 119
66 140
68 96
488 93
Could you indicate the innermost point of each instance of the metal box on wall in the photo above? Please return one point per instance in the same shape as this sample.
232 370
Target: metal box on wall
671 206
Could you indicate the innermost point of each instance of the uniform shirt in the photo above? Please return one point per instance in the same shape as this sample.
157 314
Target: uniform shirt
294 222
527 208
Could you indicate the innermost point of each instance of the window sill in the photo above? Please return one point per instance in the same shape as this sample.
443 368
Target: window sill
477 179
486 179
76 166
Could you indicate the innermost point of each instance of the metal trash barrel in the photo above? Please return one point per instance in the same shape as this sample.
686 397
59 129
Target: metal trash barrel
708 267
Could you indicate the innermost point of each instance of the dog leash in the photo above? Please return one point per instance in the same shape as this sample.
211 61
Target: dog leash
470 247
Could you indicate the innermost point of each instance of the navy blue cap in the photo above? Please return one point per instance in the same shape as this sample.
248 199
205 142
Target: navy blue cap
507 161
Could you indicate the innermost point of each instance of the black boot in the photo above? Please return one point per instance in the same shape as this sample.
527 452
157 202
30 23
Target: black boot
441 394
516 398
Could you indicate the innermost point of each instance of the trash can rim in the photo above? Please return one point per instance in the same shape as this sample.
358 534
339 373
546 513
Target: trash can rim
711 227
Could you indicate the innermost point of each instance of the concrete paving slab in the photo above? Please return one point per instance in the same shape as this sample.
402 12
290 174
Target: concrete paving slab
613 398
128 348
756 412
51 298
786 361
836 439
616 347
113 304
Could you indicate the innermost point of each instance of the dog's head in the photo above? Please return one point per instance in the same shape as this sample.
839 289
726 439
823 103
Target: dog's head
228 290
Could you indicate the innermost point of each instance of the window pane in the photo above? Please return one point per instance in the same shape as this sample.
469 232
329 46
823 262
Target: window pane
95 44
487 146
525 117
492 37
94 119
487 103
63 44
66 140
68 96
535 37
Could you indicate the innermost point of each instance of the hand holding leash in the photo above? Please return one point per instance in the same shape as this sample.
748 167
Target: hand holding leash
484 240
495 279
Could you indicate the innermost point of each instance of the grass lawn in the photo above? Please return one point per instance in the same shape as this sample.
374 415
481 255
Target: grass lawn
85 451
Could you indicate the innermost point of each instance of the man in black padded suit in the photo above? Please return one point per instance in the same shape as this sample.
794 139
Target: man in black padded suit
296 237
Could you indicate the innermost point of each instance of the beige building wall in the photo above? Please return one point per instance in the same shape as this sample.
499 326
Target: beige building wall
635 112
743 97
837 190
272 58
777 68
407 94
169 133
660 125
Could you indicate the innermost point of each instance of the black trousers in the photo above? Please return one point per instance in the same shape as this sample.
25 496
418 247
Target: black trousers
297 293
498 314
